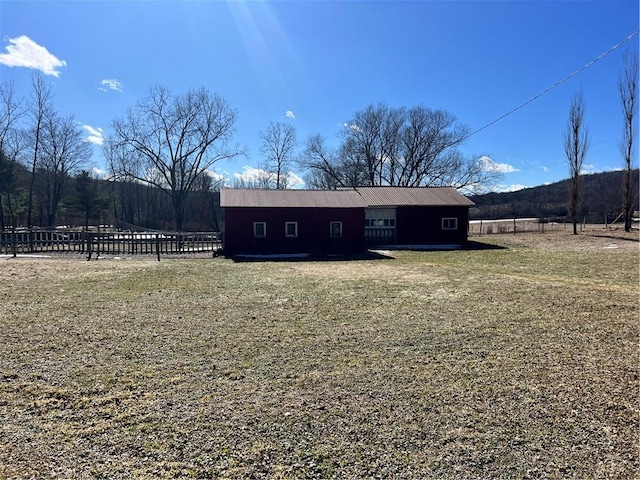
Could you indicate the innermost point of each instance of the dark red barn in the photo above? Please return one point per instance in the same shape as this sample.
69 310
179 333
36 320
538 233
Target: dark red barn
292 221
315 221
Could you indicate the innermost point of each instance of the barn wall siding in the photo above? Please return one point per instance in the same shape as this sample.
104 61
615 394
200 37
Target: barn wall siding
313 230
423 225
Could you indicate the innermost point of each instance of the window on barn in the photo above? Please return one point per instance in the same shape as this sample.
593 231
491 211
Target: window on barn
380 222
259 229
291 229
336 229
449 223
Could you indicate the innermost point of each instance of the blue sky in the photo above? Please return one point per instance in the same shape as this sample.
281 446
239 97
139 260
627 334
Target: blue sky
315 63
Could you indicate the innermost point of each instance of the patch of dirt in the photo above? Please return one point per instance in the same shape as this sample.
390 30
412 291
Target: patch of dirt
590 237
379 271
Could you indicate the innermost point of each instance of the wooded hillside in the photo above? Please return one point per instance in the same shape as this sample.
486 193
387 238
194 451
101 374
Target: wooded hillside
602 195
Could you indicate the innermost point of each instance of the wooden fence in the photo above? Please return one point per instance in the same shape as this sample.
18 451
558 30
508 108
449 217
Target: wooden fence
98 243
514 225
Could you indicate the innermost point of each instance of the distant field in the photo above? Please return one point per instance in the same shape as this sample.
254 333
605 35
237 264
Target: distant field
529 225
517 359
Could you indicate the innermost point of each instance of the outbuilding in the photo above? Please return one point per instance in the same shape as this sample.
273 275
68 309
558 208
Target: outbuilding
292 221
415 216
348 220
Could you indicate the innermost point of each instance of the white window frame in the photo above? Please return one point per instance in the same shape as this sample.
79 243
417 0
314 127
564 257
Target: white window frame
331 224
286 229
447 221
255 229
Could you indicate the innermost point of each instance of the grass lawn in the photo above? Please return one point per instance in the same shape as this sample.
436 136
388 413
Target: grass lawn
512 362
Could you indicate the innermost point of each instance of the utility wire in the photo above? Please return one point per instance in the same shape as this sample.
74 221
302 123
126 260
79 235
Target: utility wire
513 110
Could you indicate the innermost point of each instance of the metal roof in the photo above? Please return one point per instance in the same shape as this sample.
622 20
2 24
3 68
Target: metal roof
291 198
359 198
407 196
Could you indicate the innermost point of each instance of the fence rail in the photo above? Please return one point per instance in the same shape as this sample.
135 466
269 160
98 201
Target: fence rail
523 225
380 236
120 243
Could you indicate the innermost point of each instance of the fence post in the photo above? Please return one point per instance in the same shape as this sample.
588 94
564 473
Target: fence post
514 226
14 243
158 246
89 239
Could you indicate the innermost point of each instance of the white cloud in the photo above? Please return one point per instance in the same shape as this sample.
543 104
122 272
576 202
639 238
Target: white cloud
289 114
353 127
95 135
514 187
544 169
294 181
258 177
492 166
111 84
500 188
215 176
24 52
251 174
99 172
588 169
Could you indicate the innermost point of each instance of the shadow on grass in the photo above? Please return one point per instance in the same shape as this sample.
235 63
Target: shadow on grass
469 245
473 245
381 252
613 236
313 257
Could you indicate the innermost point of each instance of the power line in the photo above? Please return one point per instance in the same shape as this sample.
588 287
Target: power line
584 67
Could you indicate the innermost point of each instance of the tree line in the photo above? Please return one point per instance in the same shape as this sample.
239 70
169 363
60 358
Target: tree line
160 154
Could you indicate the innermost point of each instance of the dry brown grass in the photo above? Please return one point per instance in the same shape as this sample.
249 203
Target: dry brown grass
520 362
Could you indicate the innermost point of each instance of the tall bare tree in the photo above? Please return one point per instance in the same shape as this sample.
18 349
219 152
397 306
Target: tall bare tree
371 139
576 144
41 106
279 144
169 141
63 151
628 88
11 110
328 169
413 147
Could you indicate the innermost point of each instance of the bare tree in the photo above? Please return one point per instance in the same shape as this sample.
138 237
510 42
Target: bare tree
41 98
278 147
169 141
371 139
11 110
414 147
328 169
7 185
429 154
576 144
63 151
628 88
259 179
